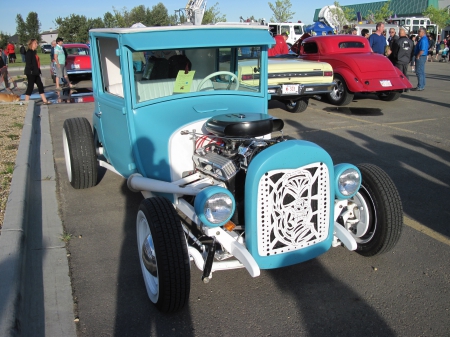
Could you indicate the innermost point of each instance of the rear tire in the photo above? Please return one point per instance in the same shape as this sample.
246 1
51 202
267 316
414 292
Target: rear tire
379 213
79 153
340 94
166 265
297 106
389 97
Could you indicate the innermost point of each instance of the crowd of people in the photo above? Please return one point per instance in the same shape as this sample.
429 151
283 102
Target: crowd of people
405 51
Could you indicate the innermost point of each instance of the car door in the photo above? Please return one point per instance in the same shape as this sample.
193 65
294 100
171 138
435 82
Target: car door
111 107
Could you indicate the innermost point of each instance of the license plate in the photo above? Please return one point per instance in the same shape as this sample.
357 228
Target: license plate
289 89
386 83
75 66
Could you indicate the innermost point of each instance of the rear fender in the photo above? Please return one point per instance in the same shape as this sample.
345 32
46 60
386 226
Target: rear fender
351 80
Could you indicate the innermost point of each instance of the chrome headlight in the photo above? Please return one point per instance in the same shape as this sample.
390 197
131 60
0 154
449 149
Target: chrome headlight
214 206
348 180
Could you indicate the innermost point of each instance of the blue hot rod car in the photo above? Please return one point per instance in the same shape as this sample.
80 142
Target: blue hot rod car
222 187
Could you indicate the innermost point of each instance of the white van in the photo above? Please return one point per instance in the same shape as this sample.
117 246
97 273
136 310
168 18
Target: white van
295 30
372 27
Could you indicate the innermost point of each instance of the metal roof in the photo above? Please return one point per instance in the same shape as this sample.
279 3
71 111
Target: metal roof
398 7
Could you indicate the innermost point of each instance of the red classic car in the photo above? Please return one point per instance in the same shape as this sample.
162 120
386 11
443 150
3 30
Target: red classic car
78 60
356 68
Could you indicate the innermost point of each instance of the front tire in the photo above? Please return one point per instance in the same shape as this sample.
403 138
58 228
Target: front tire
389 97
378 213
296 106
79 153
340 95
163 254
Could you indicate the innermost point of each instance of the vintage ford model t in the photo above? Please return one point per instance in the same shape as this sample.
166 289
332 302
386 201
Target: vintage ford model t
223 188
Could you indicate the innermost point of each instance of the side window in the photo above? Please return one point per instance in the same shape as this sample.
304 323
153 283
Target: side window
408 22
310 48
110 66
285 29
298 30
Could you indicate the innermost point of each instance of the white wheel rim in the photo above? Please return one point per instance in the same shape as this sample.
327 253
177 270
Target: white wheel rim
363 231
67 156
151 282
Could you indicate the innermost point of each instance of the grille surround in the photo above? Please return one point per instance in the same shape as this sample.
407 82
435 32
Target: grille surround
293 209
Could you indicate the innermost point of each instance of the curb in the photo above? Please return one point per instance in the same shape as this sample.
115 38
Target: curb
35 290
12 234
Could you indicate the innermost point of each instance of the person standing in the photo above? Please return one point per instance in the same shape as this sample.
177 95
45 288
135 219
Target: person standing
413 61
354 31
421 54
402 52
33 72
377 40
365 33
431 45
22 51
4 76
392 38
60 63
11 52
281 47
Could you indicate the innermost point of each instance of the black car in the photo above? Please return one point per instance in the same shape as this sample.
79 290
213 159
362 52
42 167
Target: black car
46 48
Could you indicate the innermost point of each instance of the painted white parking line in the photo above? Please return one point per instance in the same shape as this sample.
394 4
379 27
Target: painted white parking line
425 230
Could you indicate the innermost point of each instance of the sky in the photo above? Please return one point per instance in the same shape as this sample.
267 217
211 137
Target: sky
48 11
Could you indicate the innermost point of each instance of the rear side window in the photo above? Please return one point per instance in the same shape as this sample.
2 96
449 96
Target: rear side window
351 44
310 48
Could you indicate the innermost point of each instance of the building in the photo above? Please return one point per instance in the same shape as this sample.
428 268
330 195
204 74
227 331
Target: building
48 36
400 8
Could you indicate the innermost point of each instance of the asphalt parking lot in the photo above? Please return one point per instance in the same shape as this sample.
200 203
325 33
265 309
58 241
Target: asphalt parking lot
402 293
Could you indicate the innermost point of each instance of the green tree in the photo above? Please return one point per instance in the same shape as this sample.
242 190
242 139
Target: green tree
440 17
139 14
21 29
109 20
213 15
158 15
382 14
281 11
75 28
4 37
33 26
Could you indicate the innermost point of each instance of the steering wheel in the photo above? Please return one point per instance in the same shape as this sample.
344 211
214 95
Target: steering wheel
219 73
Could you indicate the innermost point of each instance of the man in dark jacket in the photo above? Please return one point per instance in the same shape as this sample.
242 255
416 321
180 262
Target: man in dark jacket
402 52
391 40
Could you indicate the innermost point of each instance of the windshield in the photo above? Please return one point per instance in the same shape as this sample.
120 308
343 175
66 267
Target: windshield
162 73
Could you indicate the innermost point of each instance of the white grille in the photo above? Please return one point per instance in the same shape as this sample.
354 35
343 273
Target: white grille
293 209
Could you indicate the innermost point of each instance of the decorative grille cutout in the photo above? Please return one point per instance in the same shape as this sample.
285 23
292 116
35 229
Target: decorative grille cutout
293 209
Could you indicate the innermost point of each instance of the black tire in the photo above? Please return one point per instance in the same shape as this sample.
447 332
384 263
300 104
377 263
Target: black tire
340 95
390 96
297 106
380 212
79 153
168 285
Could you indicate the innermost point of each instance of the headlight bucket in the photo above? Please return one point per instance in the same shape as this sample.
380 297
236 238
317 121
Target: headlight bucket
347 181
214 206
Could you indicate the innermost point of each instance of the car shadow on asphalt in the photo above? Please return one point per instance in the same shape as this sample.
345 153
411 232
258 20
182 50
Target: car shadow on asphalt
355 111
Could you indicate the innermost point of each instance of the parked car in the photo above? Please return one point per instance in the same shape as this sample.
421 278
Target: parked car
356 68
78 60
223 188
46 48
291 81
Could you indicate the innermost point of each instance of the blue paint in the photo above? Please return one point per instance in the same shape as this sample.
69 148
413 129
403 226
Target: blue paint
291 154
